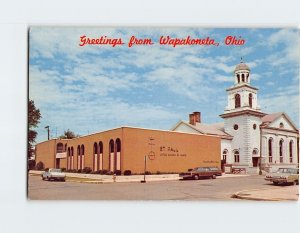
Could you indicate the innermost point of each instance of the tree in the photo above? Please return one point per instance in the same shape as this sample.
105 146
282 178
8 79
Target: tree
68 135
34 117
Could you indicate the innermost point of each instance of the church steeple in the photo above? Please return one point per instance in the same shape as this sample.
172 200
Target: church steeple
242 73
242 96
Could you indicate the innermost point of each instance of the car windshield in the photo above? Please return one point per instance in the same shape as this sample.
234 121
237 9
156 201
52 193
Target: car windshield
55 170
286 170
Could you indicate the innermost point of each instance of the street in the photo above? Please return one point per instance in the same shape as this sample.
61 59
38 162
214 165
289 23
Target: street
206 189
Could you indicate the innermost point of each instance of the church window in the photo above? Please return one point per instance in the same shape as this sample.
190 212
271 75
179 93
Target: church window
237 101
270 142
250 100
238 78
281 125
281 151
235 127
236 157
225 156
243 78
254 126
291 151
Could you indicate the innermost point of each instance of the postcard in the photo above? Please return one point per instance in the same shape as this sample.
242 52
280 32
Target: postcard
163 113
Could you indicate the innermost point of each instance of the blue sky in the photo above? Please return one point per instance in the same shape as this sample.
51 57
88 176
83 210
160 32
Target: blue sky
98 87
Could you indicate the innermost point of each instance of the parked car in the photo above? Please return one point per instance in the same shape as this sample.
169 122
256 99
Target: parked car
54 174
284 176
218 172
201 172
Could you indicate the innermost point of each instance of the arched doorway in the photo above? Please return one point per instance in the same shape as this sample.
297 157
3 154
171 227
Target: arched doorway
255 157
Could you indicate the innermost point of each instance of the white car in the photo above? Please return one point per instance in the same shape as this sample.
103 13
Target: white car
54 174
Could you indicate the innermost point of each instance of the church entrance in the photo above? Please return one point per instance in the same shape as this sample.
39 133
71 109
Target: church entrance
255 161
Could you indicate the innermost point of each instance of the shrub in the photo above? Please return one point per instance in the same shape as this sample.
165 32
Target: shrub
190 169
118 172
127 172
46 169
158 172
63 169
104 172
148 173
78 171
86 170
40 166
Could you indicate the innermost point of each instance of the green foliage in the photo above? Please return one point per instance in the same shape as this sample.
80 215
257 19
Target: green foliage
40 166
86 170
34 117
127 172
68 135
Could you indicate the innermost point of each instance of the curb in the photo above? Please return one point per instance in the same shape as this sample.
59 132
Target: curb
246 196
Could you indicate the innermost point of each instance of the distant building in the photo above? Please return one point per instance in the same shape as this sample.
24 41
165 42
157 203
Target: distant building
247 133
125 148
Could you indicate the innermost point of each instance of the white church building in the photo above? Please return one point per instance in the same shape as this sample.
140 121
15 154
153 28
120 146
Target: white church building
250 139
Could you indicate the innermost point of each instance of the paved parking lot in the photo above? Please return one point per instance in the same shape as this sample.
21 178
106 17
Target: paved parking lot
206 189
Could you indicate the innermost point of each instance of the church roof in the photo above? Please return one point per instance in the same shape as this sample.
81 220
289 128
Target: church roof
271 117
241 66
212 129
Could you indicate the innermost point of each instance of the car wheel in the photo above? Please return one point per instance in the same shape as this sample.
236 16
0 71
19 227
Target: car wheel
49 178
196 177
214 176
43 178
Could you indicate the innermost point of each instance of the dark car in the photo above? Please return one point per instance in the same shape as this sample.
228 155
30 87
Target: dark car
201 172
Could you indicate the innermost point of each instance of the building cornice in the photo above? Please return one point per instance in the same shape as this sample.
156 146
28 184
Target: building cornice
243 112
240 86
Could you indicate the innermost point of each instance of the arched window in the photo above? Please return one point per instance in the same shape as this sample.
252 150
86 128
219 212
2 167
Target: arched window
225 156
270 142
237 101
95 148
281 151
100 147
95 157
291 151
281 125
78 150
72 157
118 144
111 154
100 158
250 100
68 158
78 158
82 149
243 78
238 78
254 152
236 157
59 148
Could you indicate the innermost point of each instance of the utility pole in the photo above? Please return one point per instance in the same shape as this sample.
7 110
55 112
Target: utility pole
48 129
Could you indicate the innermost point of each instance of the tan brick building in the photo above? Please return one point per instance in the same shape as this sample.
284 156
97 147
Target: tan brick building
125 148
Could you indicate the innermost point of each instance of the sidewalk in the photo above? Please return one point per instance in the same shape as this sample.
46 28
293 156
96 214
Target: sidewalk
278 193
98 179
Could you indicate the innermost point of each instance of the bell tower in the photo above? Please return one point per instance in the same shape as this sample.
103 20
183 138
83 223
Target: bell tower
242 95
242 117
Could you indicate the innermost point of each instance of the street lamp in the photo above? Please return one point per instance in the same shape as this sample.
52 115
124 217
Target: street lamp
145 165
48 129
